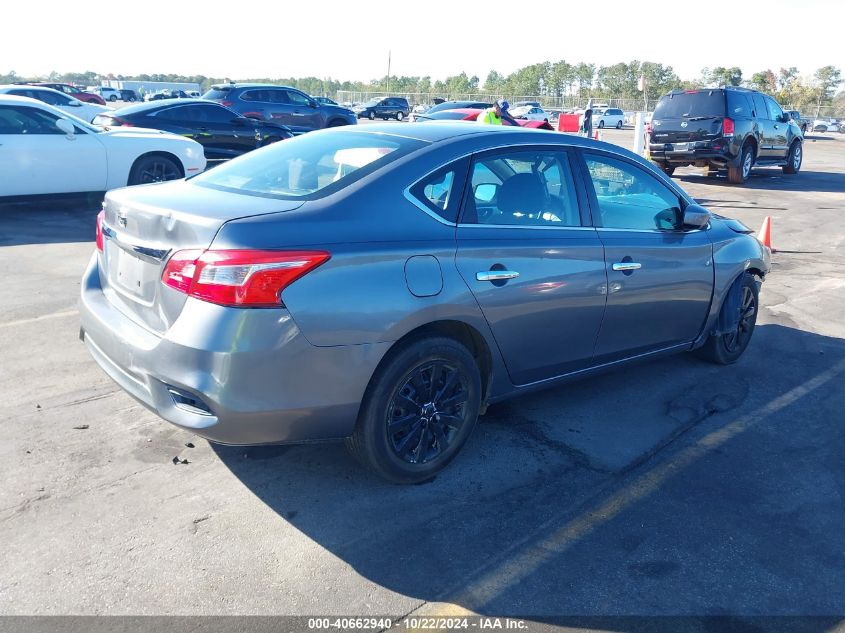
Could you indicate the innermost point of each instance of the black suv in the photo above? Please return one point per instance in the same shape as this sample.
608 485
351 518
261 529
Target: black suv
280 104
387 108
723 128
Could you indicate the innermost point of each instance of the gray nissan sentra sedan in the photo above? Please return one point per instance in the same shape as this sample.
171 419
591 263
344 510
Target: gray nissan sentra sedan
385 284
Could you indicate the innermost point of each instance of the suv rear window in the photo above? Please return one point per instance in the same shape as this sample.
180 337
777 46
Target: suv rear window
697 103
217 93
308 166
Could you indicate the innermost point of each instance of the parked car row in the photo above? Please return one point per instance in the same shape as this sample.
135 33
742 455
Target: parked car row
68 155
65 102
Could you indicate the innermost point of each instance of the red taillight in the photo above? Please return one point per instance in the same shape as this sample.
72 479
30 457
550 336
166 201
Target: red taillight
243 278
727 127
100 216
226 103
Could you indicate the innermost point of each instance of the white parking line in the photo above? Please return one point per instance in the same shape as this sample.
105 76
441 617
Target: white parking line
43 317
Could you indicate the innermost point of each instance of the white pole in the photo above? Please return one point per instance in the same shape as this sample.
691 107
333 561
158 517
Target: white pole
639 131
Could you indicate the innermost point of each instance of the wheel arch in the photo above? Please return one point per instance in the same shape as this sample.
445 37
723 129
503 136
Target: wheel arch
460 331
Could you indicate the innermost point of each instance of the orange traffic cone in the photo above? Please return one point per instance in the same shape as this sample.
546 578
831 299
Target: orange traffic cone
764 235
596 135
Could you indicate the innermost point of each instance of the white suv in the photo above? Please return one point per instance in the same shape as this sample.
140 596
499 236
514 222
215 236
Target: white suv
108 94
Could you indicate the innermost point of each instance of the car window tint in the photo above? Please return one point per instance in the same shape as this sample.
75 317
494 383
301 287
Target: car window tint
179 113
630 198
739 104
522 189
24 120
760 106
297 98
215 114
257 95
775 112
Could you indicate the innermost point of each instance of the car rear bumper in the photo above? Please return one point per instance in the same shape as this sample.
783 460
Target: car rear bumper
692 153
231 375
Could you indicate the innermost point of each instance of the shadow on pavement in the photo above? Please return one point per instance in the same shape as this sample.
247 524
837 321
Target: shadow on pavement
735 510
49 220
773 179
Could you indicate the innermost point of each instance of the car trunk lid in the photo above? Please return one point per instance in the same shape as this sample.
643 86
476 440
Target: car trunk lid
142 229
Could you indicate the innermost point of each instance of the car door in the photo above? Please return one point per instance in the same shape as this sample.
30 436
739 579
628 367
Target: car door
659 275
228 138
304 116
780 128
43 159
765 127
532 263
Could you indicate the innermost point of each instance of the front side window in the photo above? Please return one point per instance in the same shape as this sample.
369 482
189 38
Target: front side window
630 198
308 166
522 188
297 98
25 120
775 112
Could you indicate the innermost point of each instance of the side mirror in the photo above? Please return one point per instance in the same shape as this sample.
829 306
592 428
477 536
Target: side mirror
74 103
313 104
696 217
486 192
67 127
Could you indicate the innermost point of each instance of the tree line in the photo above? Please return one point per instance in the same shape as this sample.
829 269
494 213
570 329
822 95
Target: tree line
550 79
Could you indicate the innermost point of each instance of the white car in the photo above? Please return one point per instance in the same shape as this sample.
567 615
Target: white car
825 125
75 107
529 113
611 117
45 151
108 94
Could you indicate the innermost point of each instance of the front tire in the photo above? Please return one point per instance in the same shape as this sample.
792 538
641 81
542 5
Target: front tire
668 169
601 124
738 175
419 410
112 98
794 158
400 116
372 116
155 168
726 348
619 125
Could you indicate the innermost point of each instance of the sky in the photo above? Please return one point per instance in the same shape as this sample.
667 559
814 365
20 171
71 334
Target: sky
342 40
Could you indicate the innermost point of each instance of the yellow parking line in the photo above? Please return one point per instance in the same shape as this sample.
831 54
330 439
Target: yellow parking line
528 557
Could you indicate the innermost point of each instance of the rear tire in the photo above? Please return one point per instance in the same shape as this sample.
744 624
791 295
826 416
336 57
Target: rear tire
419 410
794 158
668 169
726 348
738 175
112 98
400 116
619 125
601 124
372 116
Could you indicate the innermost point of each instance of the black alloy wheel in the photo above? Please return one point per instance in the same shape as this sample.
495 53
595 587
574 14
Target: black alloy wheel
419 410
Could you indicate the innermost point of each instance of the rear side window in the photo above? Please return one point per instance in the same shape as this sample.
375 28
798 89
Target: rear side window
217 93
760 106
308 166
696 103
440 192
739 105
265 96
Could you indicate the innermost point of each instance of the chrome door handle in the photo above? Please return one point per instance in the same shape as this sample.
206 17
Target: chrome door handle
627 266
496 275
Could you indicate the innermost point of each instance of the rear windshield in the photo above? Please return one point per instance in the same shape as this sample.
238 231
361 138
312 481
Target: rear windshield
308 166
700 103
447 115
217 93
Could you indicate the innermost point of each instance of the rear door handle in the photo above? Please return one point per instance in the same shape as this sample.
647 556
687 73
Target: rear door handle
496 275
627 266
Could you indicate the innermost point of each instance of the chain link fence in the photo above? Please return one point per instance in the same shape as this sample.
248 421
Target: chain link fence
566 102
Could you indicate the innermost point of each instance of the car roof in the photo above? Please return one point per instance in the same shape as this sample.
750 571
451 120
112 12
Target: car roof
163 103
251 85
436 131
6 87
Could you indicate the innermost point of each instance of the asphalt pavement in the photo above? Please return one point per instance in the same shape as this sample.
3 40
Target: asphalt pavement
672 488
